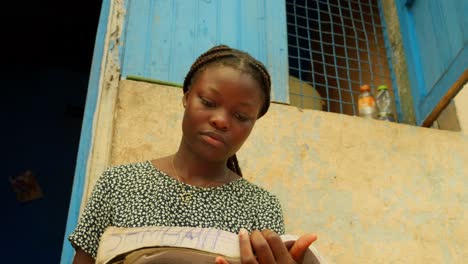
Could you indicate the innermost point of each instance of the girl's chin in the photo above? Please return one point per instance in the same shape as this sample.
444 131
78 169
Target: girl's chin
214 156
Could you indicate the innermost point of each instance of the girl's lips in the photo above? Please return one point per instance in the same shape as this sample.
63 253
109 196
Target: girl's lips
213 138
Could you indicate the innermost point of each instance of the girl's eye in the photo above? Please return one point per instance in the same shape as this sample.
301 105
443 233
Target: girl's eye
207 103
241 118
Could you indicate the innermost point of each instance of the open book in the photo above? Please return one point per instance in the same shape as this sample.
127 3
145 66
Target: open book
147 245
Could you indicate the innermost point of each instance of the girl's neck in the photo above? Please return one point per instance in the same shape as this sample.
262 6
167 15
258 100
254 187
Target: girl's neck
195 170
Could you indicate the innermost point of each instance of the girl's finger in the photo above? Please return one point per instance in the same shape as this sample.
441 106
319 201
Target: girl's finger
247 256
262 248
221 260
300 246
277 246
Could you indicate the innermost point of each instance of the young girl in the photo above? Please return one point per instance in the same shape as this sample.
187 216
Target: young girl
201 185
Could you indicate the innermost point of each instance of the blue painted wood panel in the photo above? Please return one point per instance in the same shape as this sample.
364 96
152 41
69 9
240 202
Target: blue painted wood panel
84 147
163 37
435 39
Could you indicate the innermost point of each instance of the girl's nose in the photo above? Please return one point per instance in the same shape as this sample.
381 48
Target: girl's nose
219 121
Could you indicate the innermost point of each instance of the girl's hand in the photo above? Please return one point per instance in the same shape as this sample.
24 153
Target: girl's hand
269 248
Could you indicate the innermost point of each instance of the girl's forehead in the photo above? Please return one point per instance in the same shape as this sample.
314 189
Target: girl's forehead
229 74
229 81
219 71
216 66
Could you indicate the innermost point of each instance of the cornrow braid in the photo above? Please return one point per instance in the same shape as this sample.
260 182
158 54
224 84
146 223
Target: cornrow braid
233 165
224 55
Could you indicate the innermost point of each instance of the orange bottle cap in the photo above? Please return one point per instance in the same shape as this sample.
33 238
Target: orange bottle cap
365 87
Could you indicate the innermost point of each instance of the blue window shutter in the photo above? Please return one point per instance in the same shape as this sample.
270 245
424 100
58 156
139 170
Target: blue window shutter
435 39
163 38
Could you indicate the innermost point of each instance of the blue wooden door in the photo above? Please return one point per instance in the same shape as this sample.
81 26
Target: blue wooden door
435 39
163 37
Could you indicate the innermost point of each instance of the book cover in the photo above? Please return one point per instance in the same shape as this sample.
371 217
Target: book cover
160 244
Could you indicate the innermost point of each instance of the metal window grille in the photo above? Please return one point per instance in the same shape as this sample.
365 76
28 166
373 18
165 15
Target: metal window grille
334 46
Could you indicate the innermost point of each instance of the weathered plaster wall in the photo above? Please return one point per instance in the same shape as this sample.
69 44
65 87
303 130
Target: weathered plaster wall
99 153
374 192
461 104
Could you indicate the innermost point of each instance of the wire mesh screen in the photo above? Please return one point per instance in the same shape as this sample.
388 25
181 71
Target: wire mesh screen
334 46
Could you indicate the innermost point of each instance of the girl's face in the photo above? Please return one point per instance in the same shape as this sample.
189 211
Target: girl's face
221 108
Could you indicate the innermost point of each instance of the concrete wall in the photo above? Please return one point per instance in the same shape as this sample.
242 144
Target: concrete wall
461 104
374 192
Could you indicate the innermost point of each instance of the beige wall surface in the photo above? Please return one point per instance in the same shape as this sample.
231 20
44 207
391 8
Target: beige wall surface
461 103
373 191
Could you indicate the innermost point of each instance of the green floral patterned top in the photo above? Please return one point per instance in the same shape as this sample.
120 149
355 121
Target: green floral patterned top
138 194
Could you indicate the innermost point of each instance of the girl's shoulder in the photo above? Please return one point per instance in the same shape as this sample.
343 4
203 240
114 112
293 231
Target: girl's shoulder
134 171
254 190
129 167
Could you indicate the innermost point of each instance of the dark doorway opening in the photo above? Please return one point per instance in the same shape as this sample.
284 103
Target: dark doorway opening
45 67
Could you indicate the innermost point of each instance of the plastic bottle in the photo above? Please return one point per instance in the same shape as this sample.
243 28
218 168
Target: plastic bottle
366 103
384 104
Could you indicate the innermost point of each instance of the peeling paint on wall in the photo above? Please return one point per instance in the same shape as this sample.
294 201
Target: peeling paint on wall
102 123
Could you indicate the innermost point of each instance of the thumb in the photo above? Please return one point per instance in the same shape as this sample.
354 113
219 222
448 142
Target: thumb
299 248
221 260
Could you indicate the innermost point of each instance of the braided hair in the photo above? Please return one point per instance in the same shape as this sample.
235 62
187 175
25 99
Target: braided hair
226 56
